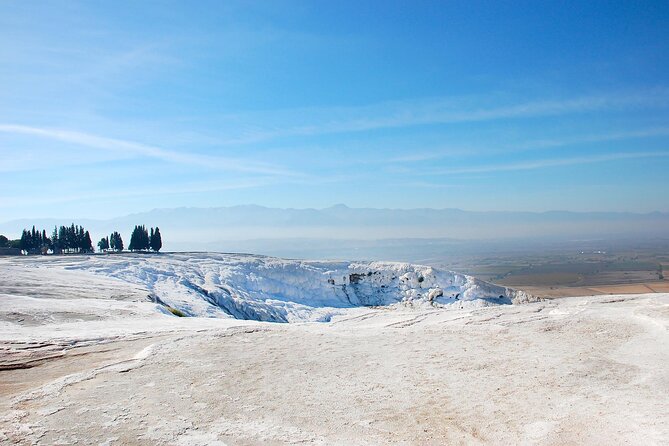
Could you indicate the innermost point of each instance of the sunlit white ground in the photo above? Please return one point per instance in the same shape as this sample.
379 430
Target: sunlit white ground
88 359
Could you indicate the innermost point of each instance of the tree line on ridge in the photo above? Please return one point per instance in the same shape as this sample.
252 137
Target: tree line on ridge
75 239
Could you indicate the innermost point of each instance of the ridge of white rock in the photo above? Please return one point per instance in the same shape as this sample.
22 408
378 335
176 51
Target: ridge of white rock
245 286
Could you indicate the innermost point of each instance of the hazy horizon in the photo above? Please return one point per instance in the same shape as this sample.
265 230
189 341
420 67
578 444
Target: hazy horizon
344 232
324 207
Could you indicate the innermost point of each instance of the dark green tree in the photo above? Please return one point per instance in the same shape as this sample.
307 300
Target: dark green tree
4 241
103 244
81 239
34 241
62 240
156 241
55 242
139 240
87 245
134 240
115 241
26 241
71 241
146 241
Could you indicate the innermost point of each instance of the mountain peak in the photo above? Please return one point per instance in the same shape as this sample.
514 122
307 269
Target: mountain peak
339 207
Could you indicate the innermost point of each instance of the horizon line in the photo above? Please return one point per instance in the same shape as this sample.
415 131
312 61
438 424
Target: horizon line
343 206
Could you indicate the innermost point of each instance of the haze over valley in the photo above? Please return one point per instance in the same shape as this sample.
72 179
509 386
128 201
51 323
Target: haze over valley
232 228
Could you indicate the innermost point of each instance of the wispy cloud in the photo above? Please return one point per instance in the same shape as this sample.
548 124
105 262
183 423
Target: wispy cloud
546 163
428 185
139 149
263 126
427 155
181 189
446 152
602 137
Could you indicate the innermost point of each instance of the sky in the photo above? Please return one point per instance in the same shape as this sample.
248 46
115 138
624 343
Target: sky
111 108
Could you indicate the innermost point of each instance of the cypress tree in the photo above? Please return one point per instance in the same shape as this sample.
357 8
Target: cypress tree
24 243
103 244
139 240
55 243
87 244
156 239
134 239
71 241
62 239
115 241
119 242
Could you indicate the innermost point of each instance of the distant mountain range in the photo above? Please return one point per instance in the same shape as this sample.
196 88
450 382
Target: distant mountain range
237 227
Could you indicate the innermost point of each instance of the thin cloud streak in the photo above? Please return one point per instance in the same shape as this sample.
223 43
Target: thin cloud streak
412 113
615 136
530 145
541 164
123 146
179 190
431 155
428 185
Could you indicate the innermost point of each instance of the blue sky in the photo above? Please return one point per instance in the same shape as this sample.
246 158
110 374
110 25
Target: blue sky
109 108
